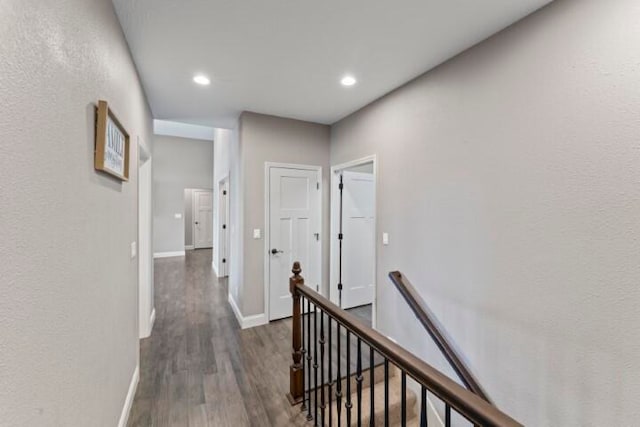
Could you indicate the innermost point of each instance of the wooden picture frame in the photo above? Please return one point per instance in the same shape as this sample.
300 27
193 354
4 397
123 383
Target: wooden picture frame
112 144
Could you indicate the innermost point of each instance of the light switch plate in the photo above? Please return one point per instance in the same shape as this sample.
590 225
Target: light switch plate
134 249
177 216
385 238
256 233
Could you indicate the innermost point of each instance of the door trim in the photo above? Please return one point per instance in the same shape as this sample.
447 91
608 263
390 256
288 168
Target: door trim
333 244
144 239
222 269
267 224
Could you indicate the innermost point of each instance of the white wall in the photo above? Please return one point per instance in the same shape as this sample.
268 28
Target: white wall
182 130
178 164
68 287
223 138
508 181
272 139
364 168
236 202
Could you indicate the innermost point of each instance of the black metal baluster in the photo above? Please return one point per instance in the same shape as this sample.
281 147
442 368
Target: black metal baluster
348 405
303 350
322 402
338 377
309 416
315 364
330 374
447 415
386 392
423 408
403 399
359 381
372 403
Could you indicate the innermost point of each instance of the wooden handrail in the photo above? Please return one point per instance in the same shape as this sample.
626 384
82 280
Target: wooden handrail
428 321
465 402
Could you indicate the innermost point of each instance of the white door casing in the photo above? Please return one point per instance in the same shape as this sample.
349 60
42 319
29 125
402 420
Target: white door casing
358 214
202 218
223 225
294 231
145 253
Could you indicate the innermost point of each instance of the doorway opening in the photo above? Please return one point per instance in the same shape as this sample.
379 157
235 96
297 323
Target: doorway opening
198 218
353 234
293 230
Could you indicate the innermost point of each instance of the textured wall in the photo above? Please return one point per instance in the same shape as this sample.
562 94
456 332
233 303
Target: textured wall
188 217
236 202
509 183
68 287
178 164
273 139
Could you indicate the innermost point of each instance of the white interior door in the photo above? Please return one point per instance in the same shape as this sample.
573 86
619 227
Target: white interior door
203 219
294 233
358 210
223 215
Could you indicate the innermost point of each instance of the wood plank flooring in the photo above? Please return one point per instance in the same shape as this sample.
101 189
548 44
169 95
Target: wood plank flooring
199 368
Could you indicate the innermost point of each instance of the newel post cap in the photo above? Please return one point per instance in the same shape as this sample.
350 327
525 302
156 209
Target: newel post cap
296 270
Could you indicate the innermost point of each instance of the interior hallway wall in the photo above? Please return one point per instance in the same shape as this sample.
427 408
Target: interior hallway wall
509 183
188 217
179 163
68 287
236 184
263 139
364 168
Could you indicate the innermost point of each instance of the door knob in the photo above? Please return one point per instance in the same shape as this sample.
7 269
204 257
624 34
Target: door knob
275 251
197 222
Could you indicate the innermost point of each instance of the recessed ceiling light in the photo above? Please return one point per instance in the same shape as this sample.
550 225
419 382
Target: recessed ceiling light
348 81
201 79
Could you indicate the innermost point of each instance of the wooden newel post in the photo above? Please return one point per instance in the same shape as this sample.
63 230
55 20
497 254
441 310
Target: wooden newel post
296 371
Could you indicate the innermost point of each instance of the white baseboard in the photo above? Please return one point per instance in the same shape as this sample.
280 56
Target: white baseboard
214 267
248 321
146 333
189 247
168 254
152 320
128 402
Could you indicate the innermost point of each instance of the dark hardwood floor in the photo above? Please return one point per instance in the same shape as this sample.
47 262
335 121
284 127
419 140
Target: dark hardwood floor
198 368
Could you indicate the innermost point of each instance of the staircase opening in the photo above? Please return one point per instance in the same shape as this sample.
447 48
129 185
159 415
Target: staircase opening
403 390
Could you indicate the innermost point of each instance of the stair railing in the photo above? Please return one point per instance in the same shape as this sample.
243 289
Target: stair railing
324 373
433 328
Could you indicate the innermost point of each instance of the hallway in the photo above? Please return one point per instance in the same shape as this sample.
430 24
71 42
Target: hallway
198 368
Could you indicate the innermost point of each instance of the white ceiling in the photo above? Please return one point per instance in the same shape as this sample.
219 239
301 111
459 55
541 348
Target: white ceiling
286 57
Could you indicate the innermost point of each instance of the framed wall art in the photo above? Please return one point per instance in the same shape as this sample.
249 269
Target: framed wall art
112 144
